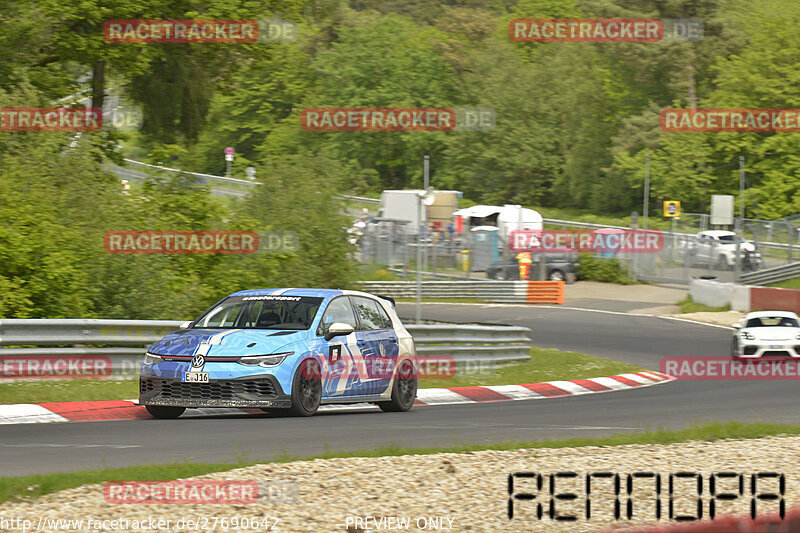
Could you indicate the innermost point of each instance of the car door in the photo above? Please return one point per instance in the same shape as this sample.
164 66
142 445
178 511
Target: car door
377 341
340 352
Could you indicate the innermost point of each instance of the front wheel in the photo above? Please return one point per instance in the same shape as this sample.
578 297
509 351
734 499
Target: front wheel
722 263
306 389
404 389
556 275
163 411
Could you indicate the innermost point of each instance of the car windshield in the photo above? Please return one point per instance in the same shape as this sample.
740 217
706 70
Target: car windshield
766 321
726 238
262 312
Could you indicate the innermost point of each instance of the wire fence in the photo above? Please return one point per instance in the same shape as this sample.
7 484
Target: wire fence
692 248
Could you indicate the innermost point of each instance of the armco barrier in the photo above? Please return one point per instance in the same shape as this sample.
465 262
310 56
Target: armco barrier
720 293
774 299
744 297
489 290
466 344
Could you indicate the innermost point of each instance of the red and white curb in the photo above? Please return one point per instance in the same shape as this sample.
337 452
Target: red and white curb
30 413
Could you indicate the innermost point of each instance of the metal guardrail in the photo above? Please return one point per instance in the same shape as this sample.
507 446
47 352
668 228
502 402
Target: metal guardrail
428 274
363 199
490 290
557 222
51 332
466 344
771 275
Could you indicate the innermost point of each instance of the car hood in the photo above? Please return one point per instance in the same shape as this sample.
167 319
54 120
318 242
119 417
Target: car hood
226 342
773 333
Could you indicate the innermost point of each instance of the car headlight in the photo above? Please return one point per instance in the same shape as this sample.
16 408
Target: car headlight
152 359
747 336
264 360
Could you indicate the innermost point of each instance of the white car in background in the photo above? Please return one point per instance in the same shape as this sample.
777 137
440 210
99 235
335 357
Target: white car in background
766 333
719 248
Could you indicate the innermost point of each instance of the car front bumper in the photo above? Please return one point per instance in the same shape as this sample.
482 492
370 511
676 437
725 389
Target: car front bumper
252 391
758 349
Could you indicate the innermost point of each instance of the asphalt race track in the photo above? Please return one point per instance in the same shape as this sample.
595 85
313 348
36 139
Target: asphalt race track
44 448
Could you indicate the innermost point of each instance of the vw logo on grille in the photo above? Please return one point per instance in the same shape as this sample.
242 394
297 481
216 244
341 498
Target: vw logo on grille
198 361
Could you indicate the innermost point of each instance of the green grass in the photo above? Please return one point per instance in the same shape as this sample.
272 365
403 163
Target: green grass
793 283
690 306
545 364
68 390
374 272
25 488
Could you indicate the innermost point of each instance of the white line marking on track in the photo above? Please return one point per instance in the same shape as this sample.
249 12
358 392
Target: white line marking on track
441 396
568 308
515 392
610 383
636 378
28 413
570 387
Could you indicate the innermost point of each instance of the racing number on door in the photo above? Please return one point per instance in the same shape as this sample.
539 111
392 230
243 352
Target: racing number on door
334 353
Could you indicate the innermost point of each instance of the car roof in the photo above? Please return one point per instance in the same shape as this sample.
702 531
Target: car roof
716 232
759 314
319 293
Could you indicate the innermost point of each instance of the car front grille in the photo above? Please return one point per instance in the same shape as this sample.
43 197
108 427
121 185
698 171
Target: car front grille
216 390
750 350
775 353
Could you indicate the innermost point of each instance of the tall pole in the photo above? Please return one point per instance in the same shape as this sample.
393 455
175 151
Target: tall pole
741 187
426 178
646 196
739 226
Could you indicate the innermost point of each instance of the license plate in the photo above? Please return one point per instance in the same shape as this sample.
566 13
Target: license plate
195 377
775 347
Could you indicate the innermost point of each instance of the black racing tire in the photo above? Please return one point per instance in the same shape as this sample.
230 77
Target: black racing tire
306 389
556 275
404 389
165 411
722 263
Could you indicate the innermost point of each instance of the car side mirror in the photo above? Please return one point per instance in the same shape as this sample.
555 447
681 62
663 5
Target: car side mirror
337 329
185 325
737 325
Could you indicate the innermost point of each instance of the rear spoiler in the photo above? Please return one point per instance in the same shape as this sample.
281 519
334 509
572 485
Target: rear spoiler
387 298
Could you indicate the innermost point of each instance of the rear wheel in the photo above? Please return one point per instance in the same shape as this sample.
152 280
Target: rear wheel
306 389
404 389
556 275
722 263
164 411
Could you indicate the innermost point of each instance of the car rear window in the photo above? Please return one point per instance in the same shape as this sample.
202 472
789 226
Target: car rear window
262 312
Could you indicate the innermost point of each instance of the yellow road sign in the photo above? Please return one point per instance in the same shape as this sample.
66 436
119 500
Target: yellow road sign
672 208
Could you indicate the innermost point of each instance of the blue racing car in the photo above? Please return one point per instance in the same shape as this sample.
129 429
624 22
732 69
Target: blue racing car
283 349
